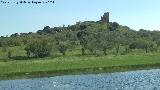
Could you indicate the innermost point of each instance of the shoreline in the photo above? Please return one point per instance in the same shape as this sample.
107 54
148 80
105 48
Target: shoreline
80 71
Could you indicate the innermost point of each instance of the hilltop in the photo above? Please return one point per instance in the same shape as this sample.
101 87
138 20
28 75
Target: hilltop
86 47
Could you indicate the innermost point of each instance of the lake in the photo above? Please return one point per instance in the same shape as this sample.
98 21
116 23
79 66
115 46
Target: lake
133 80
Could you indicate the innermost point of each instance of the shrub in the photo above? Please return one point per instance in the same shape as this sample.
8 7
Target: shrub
38 48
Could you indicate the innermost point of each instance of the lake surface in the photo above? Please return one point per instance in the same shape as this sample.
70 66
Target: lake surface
133 80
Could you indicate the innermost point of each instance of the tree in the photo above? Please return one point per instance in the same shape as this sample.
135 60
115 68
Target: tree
143 43
15 41
92 43
117 40
106 41
9 54
99 41
3 42
62 47
65 40
38 48
113 26
83 38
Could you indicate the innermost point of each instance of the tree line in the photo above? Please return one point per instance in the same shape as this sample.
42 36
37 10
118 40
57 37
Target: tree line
91 37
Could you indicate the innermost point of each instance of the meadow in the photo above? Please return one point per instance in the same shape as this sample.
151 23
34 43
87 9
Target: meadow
74 63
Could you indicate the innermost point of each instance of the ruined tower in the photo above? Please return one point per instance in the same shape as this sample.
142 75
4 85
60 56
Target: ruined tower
105 18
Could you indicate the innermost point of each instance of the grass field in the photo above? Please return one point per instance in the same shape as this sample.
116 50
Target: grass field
76 64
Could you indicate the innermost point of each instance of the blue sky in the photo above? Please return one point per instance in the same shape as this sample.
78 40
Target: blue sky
136 14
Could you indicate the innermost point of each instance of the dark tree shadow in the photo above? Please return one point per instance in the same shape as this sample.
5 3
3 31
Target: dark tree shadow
21 58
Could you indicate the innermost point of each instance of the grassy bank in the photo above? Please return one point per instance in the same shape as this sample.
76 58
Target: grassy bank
76 65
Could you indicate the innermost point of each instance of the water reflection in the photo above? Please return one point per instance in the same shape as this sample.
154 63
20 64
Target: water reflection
135 80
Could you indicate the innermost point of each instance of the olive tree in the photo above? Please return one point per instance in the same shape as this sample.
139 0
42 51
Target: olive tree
38 48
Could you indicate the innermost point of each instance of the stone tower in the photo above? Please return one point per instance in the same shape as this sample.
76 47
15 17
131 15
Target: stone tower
105 18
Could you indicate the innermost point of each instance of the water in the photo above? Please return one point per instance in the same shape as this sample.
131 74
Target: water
134 80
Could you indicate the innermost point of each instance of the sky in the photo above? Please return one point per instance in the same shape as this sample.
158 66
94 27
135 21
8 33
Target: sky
21 18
